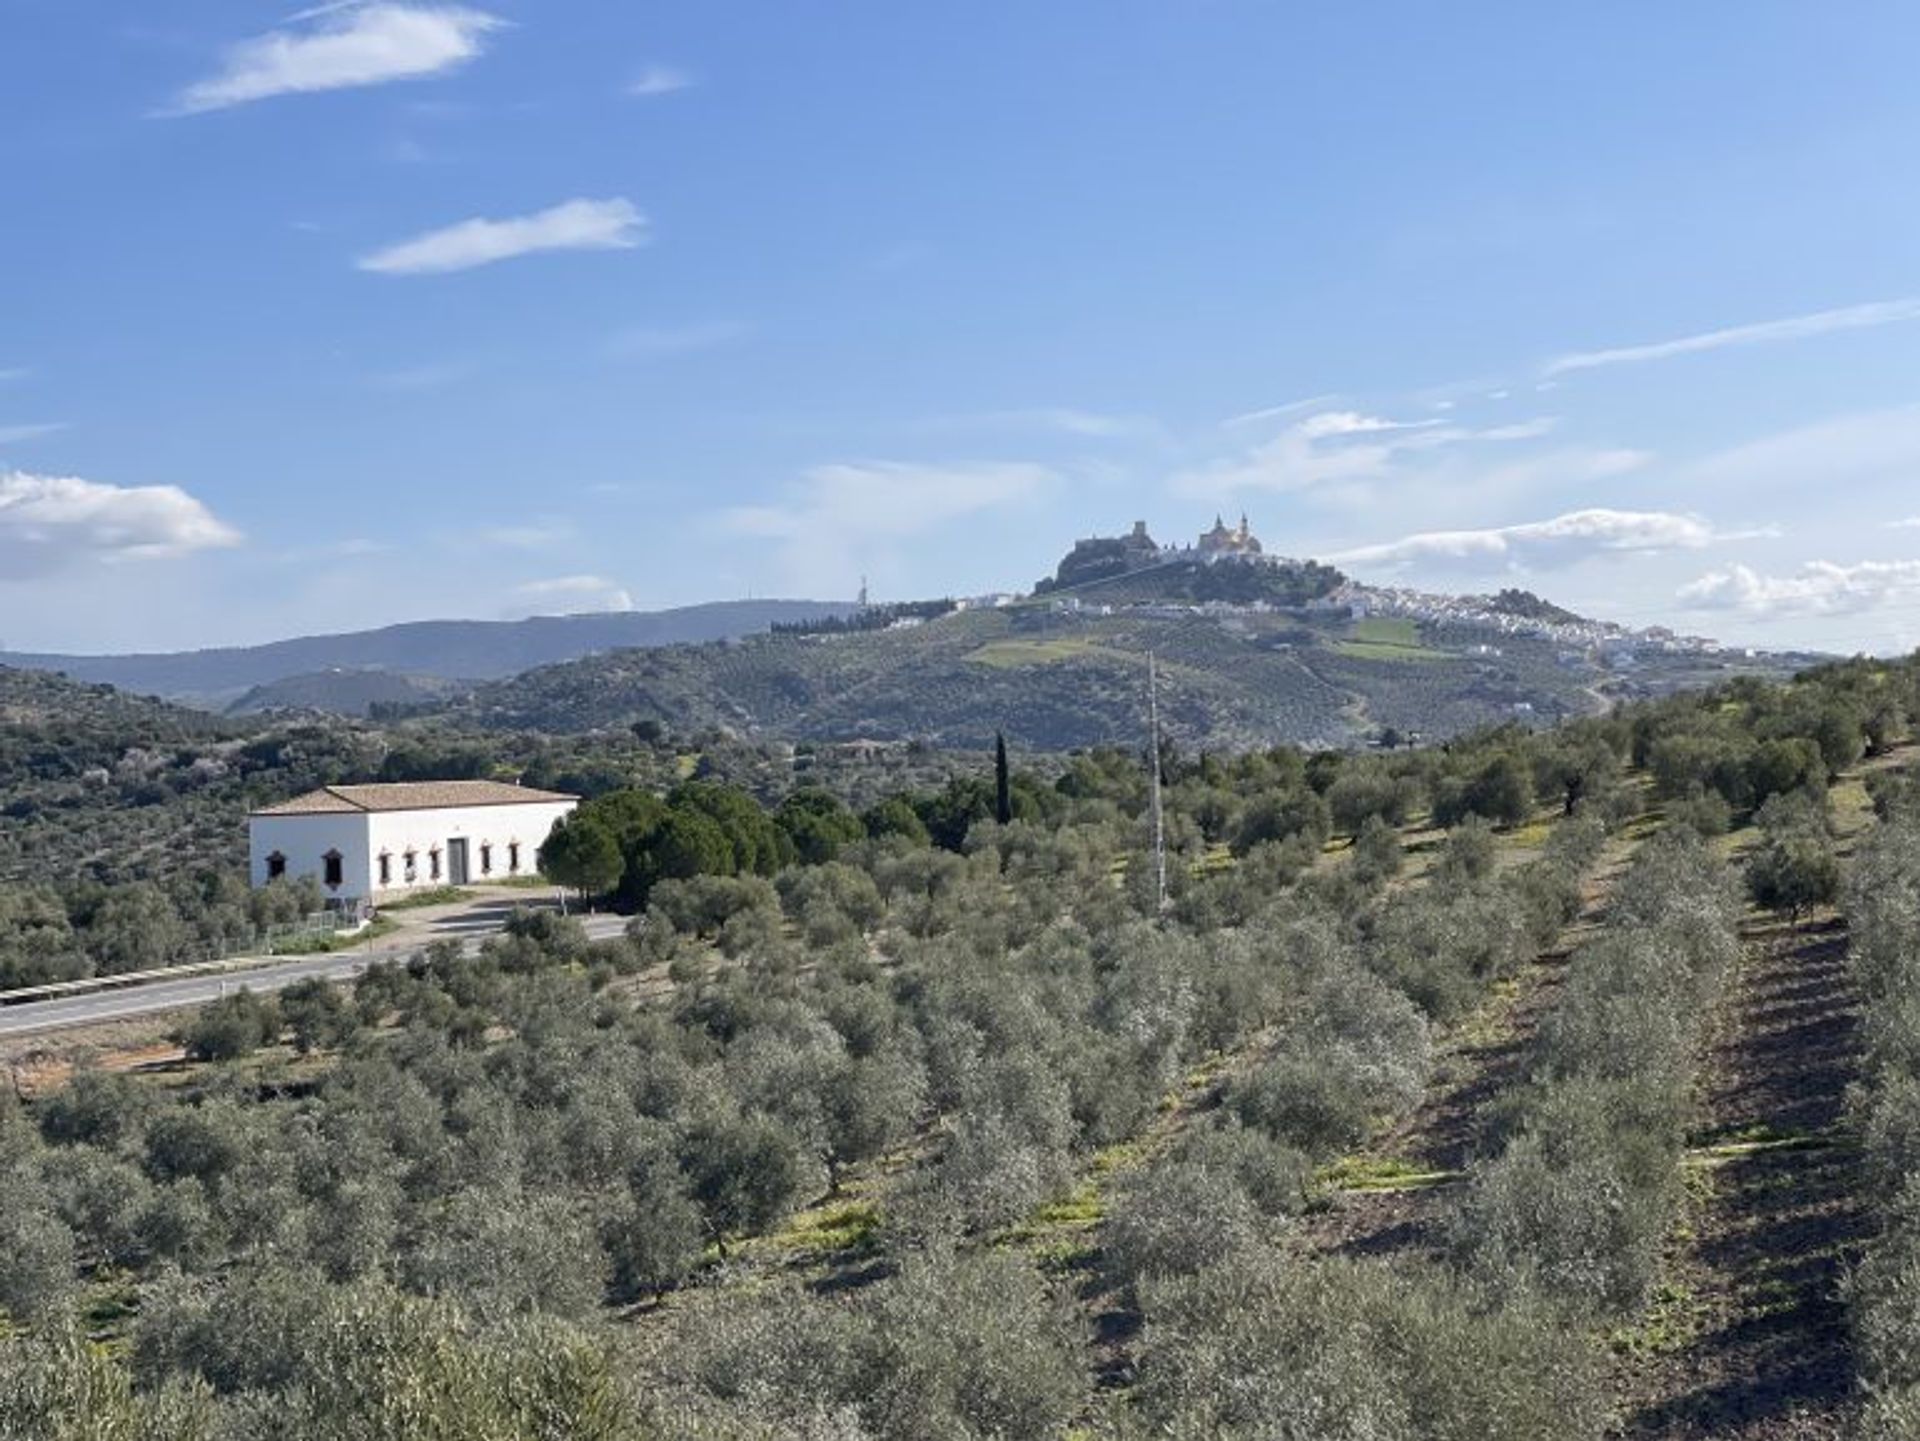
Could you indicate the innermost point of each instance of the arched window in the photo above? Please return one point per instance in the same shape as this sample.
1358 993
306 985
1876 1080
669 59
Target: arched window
513 857
386 868
486 858
335 869
276 866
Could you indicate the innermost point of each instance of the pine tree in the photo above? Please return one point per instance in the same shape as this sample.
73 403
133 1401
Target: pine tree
1002 782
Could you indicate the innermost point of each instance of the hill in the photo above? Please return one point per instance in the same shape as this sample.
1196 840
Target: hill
447 649
343 692
1054 677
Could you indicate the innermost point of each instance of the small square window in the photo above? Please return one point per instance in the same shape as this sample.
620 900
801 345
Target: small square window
276 866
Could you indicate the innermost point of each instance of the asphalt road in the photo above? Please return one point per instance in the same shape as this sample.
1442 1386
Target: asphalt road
163 995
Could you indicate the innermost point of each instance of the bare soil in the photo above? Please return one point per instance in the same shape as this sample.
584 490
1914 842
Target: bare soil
1760 1349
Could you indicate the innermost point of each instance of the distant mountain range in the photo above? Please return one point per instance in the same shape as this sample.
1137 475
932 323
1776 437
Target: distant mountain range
331 668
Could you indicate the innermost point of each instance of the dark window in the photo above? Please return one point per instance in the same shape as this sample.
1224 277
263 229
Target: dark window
412 868
386 869
335 871
276 866
486 859
433 864
513 857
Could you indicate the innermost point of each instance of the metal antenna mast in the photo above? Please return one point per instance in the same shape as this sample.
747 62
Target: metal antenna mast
1159 819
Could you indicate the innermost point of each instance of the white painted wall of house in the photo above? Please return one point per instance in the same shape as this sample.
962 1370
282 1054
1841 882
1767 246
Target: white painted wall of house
362 836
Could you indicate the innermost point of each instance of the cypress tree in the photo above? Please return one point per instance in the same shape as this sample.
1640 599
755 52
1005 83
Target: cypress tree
1002 782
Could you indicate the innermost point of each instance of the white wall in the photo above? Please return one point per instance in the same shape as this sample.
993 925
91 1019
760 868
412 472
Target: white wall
361 836
500 827
305 840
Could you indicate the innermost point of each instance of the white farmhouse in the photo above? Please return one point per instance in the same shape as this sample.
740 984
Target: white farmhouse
368 843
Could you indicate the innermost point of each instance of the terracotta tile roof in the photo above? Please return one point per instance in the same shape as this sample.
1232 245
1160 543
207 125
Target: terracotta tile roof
410 796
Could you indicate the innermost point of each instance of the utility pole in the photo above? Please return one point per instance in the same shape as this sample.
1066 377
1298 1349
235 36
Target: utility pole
1159 819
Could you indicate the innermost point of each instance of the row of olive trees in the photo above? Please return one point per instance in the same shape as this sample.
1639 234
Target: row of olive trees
1883 919
1573 1207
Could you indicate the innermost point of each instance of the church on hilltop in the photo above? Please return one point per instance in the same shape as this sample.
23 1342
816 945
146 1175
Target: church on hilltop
1221 542
1226 563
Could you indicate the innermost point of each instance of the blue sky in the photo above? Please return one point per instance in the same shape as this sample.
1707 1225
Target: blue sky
317 320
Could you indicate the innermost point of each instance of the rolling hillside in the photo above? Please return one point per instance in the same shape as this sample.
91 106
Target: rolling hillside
1054 680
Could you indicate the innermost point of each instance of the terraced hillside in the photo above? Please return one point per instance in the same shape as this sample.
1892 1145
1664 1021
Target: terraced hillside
1055 680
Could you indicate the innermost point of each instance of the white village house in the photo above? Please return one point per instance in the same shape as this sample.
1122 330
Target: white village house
374 842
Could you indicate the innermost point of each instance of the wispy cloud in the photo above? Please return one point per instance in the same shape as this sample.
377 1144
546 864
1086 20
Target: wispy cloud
1059 419
1819 587
1556 543
1329 424
1798 327
841 519
49 523
658 342
1335 447
1279 412
574 225
659 80
10 374
1911 522
571 595
13 434
340 47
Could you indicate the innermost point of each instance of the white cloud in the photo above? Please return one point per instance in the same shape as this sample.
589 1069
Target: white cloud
1329 424
1339 447
340 48
659 342
1277 412
659 80
841 519
49 523
1871 457
573 595
1912 522
575 225
9 434
1819 587
1799 327
1557 543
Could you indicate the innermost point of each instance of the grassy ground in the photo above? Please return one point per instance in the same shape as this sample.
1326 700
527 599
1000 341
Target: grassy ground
1013 654
1380 637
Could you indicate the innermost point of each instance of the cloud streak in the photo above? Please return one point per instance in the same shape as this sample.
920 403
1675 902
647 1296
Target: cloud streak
1819 587
10 434
572 595
657 80
660 342
841 519
1340 447
343 47
51 523
1557 543
1798 327
573 225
